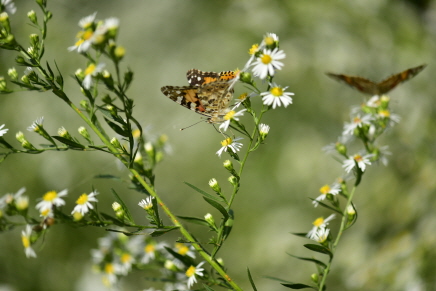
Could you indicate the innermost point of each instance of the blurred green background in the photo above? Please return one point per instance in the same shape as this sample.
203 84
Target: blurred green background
392 245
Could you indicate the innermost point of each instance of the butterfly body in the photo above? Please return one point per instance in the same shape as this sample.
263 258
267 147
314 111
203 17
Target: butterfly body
209 93
373 88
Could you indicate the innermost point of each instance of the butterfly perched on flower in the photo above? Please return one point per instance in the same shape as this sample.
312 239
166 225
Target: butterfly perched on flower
208 94
369 87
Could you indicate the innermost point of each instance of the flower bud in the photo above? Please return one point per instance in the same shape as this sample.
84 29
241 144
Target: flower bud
64 133
233 180
12 72
32 16
84 132
228 165
213 183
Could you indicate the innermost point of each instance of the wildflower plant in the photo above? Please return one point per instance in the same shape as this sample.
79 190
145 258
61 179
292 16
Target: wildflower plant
132 245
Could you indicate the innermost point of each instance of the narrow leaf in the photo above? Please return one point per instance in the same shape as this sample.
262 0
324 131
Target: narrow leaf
115 127
5 143
68 142
328 206
218 206
204 193
319 249
251 280
194 220
299 286
160 232
310 260
207 288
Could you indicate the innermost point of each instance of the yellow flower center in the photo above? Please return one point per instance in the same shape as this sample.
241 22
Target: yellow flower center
90 69
358 158
384 113
149 249
190 272
243 96
357 120
87 34
183 250
277 91
26 241
229 115
269 40
45 212
253 49
125 258
109 268
82 199
266 59
324 189
318 222
226 142
50 196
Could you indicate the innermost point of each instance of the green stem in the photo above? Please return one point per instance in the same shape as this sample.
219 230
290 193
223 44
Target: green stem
338 237
184 232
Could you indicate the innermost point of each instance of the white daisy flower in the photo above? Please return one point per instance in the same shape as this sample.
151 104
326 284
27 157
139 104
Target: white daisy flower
25 238
358 159
9 6
268 62
320 222
232 114
84 203
184 250
276 96
320 235
326 189
36 124
51 198
263 130
357 122
229 143
3 131
91 71
192 272
146 203
150 250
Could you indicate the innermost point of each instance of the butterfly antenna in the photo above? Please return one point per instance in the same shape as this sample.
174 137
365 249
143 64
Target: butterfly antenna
192 125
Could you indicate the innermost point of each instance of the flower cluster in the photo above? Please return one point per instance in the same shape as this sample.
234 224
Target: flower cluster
117 255
99 35
265 59
49 208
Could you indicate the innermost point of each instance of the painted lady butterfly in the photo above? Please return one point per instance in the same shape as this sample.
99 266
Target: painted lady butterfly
209 93
373 88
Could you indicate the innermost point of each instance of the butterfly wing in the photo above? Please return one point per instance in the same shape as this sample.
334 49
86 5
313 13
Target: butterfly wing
187 96
197 78
391 82
363 85
215 97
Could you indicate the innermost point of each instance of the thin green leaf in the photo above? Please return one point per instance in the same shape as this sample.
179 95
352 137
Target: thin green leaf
194 220
115 127
299 286
217 206
319 249
310 260
59 79
218 199
278 279
327 206
160 232
50 71
68 142
106 176
207 288
5 143
187 260
251 280
300 234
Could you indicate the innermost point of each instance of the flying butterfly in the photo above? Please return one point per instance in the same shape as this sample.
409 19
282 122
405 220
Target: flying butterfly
209 93
372 88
